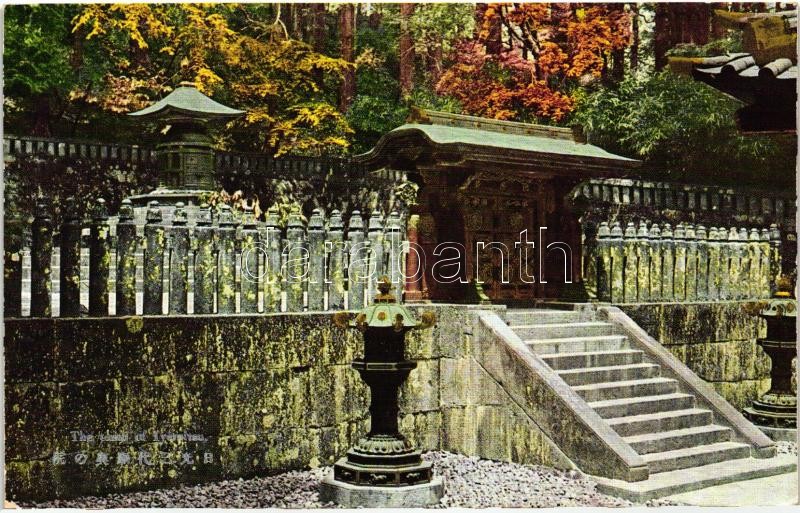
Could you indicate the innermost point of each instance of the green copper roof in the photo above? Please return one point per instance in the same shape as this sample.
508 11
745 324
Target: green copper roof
186 101
439 134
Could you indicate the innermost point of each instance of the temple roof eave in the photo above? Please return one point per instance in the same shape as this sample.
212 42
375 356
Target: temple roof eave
520 152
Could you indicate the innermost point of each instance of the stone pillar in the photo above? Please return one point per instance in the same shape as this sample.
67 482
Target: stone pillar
99 260
729 284
12 278
754 258
679 276
153 261
377 267
335 273
765 285
205 262
127 244
316 264
643 262
603 262
691 263
617 251
273 272
631 293
741 285
701 236
667 263
655 250
296 258
714 266
41 256
179 262
226 271
70 293
774 257
413 278
394 237
356 261
251 271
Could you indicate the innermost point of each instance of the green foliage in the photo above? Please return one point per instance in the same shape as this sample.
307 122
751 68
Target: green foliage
731 43
683 128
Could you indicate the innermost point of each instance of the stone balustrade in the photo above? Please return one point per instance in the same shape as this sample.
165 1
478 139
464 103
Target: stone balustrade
656 263
227 263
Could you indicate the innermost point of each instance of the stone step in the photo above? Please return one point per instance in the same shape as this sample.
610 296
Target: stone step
578 344
563 330
561 361
587 376
697 478
660 421
642 405
695 456
633 388
664 441
541 316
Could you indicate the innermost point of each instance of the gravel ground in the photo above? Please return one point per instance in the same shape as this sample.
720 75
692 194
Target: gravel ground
787 448
469 482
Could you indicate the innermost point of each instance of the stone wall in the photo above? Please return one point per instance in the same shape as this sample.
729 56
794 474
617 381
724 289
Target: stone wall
264 393
717 340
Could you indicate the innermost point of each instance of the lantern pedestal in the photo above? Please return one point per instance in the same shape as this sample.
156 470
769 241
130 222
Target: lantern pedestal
353 496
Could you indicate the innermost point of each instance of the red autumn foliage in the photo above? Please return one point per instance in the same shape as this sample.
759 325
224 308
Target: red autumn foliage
547 48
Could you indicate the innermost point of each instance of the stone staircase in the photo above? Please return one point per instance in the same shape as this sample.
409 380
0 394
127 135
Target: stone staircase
680 442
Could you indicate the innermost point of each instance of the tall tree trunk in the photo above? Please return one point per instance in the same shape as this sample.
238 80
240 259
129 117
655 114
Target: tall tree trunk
662 35
347 22
318 36
618 55
41 116
634 55
406 50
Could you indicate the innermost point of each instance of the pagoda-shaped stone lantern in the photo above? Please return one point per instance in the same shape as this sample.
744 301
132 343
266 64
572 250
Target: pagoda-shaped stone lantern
383 469
185 156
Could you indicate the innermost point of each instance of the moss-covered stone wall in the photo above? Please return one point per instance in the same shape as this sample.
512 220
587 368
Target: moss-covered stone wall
717 340
241 395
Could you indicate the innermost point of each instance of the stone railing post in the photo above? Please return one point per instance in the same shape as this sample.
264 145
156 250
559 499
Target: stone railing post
250 268
765 285
376 267
335 273
205 262
41 256
691 262
754 258
729 262
316 265
679 276
656 254
12 279
774 257
603 263
667 263
127 244
643 262
617 253
179 262
226 263
702 262
355 262
99 260
630 294
153 267
296 259
740 286
273 272
70 272
394 239
715 263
